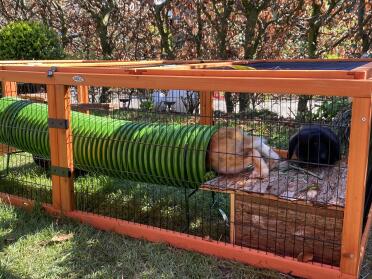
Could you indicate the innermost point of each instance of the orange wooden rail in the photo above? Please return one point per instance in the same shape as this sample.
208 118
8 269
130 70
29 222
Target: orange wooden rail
299 86
193 243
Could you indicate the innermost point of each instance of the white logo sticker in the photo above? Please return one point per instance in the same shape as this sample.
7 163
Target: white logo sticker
78 78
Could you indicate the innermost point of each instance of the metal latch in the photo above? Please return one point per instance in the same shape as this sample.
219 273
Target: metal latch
60 171
58 123
51 71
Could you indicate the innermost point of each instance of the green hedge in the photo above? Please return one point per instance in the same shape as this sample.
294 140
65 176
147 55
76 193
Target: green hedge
29 40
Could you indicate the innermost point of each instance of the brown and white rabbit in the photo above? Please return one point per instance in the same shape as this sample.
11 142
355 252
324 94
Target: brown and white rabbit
231 151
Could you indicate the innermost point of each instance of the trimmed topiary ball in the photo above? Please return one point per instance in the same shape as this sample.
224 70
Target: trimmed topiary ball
29 40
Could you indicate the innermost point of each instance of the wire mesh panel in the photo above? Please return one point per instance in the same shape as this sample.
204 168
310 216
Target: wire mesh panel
269 174
145 154
24 142
292 206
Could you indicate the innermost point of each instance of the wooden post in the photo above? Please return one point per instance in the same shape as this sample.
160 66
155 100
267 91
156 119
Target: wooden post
83 96
9 88
232 218
355 187
61 147
206 108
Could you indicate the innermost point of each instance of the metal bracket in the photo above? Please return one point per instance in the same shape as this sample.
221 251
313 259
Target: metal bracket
60 171
51 71
58 123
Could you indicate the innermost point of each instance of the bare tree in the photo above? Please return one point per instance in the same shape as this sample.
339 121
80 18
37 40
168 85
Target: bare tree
55 13
224 29
218 14
17 10
162 13
364 26
192 28
322 14
104 15
257 17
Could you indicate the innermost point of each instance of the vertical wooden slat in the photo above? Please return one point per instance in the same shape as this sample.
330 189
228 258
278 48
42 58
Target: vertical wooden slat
232 218
9 88
53 141
206 108
61 147
83 96
355 187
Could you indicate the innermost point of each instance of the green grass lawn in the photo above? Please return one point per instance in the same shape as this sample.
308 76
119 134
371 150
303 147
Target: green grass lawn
32 246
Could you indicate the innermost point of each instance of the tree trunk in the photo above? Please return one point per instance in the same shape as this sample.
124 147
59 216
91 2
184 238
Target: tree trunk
366 40
312 45
106 45
166 50
199 36
229 102
104 97
221 27
221 40
243 102
222 54
251 14
249 32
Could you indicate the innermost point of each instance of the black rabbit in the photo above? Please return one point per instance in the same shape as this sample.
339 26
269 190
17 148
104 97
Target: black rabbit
315 145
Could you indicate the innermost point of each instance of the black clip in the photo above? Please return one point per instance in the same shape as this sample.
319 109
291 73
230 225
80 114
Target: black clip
51 71
58 123
60 171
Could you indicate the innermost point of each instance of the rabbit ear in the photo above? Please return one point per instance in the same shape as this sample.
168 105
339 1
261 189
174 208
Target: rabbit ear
293 145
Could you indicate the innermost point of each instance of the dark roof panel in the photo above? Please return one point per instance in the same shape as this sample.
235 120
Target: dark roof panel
307 65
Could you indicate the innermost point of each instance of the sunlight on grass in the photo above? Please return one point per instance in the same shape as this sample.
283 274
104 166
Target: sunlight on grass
157 205
26 251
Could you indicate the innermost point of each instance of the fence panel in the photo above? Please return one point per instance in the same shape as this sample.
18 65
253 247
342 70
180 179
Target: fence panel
269 171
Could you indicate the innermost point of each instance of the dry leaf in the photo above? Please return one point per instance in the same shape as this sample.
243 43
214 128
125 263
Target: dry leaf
305 257
9 239
61 238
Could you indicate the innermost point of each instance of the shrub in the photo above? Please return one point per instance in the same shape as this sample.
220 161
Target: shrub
328 110
29 40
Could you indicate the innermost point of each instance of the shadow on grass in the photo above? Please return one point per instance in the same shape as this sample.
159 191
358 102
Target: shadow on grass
202 214
96 254
19 223
27 189
157 205
5 274
25 178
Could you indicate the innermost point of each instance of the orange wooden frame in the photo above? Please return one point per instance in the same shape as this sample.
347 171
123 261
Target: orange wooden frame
206 108
177 67
197 75
193 243
355 187
9 88
300 86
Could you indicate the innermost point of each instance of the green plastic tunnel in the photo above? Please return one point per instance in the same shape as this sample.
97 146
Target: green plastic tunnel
171 154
